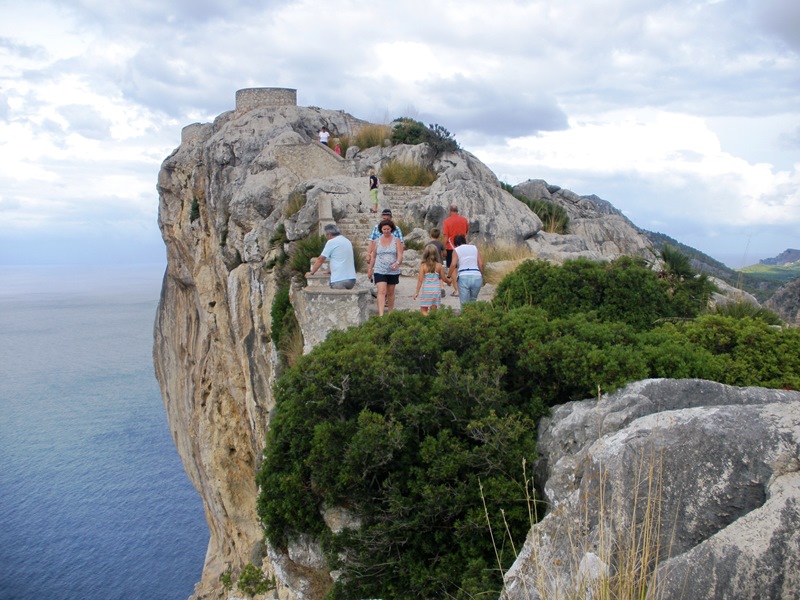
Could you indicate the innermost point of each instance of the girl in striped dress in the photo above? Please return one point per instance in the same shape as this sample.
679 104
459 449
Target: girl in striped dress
431 275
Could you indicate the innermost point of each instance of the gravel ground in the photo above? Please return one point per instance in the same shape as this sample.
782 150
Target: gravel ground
404 295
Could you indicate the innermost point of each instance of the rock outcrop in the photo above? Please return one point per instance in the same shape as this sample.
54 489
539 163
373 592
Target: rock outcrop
790 255
597 230
702 477
786 302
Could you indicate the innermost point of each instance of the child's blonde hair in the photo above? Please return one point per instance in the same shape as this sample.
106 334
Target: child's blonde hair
430 258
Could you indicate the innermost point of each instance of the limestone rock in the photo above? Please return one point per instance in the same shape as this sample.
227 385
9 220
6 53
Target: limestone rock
715 467
598 231
786 302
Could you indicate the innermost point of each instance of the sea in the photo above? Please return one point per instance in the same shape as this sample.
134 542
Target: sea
94 501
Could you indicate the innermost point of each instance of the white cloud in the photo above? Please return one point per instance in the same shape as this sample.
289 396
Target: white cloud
665 108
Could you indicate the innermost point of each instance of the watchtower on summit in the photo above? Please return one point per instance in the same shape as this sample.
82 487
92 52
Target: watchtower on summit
250 98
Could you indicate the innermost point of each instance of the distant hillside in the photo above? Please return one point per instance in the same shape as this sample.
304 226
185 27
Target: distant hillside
781 273
762 282
790 255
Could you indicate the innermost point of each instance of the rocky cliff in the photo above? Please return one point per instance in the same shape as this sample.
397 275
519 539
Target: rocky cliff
223 193
702 478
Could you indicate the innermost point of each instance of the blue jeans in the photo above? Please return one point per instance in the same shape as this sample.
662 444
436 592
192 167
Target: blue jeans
469 286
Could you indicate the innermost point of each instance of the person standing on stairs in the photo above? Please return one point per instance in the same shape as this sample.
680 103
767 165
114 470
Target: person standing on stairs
373 190
386 215
384 265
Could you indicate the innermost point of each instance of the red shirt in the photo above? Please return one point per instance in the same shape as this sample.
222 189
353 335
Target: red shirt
454 225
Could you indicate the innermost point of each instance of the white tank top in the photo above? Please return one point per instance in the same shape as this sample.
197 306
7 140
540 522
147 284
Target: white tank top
468 259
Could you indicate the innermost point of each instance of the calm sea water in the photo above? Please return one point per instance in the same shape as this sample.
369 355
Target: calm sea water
94 502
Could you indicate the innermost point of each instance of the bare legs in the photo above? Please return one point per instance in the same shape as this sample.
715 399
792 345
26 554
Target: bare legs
385 297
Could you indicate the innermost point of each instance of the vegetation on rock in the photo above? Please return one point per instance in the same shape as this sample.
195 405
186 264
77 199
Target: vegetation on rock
553 217
410 131
407 173
404 420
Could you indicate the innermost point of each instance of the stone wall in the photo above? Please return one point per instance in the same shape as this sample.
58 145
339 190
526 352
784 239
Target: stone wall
250 98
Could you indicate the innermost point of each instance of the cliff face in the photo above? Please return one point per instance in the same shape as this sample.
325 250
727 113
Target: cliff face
223 193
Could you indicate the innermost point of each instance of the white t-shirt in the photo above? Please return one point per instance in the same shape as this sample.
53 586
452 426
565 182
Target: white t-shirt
468 259
323 136
339 252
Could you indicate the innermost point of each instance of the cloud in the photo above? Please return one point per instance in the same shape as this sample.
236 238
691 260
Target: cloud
663 107
781 19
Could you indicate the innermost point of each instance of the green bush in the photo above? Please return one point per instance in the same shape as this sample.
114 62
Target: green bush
194 212
410 131
742 309
624 290
252 581
553 217
411 422
401 421
281 305
295 202
304 250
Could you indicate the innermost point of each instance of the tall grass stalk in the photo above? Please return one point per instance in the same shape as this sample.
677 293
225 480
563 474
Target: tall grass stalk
629 552
407 173
372 135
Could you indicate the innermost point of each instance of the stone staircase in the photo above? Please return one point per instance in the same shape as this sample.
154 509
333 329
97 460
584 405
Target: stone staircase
357 228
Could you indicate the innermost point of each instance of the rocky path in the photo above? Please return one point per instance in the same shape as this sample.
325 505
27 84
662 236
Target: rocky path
404 295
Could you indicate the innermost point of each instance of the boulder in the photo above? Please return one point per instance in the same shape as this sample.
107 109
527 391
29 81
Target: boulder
598 231
691 485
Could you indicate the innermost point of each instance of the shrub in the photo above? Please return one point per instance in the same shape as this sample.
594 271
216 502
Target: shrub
194 212
296 201
411 423
280 306
410 131
624 290
402 439
252 581
407 173
742 309
554 218
344 144
304 250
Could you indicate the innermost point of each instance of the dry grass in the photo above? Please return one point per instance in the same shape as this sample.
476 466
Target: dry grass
407 173
502 259
491 253
628 553
291 345
372 135
296 201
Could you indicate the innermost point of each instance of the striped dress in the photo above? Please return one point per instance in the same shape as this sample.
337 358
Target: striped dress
430 294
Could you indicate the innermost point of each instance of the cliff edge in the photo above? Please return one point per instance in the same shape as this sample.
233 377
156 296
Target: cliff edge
223 194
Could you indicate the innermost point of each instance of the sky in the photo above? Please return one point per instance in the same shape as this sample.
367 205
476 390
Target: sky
683 114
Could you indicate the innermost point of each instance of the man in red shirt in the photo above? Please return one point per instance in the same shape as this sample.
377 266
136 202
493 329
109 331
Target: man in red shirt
453 225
